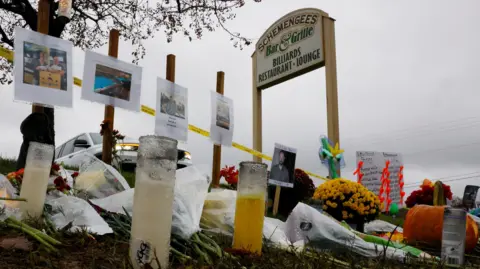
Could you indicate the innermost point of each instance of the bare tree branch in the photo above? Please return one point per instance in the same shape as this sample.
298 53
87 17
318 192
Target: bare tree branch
137 21
5 39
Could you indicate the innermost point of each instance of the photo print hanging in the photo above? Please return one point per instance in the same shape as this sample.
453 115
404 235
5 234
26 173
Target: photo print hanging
171 119
42 69
110 81
221 127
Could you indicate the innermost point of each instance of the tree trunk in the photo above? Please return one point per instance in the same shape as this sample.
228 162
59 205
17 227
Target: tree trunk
40 127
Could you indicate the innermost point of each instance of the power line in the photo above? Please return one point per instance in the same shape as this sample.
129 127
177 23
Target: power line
451 180
412 128
394 138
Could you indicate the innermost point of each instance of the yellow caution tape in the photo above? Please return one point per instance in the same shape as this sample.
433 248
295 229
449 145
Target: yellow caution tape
8 54
77 81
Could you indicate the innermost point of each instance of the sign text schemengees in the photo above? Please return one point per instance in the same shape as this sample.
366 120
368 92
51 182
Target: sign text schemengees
293 45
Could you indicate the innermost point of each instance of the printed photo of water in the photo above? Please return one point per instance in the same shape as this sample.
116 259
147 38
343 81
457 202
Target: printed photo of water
112 82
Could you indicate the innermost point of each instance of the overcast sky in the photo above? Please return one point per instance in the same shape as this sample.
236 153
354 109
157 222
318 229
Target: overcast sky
407 82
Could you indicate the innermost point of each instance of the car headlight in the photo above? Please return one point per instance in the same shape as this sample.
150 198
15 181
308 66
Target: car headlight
126 147
187 155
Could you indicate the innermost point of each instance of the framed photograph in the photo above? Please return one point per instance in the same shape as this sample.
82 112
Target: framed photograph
221 127
172 104
42 69
282 171
109 81
470 196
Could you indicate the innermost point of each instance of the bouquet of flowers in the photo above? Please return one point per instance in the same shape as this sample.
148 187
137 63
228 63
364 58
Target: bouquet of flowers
424 196
347 200
60 182
231 176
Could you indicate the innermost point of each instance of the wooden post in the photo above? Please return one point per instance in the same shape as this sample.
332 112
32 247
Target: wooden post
257 111
217 149
43 20
170 68
331 81
110 110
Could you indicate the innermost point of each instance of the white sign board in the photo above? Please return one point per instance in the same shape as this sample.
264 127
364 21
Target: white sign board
453 235
43 69
373 164
171 120
222 123
291 45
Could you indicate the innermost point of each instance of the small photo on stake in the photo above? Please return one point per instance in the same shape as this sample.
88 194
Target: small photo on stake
283 166
110 81
42 69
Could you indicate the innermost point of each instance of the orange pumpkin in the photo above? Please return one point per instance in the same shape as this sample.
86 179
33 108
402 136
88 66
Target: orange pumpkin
424 224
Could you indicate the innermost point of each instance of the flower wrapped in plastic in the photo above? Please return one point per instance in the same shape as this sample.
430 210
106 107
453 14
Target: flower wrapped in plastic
347 200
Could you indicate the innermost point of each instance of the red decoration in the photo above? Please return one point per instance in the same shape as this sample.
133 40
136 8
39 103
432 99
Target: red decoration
401 183
358 172
424 196
230 174
385 186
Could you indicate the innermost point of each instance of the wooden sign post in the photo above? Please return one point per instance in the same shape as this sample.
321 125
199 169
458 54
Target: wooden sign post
110 110
297 43
43 21
217 149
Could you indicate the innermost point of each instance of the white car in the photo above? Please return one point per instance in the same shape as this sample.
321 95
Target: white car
71 152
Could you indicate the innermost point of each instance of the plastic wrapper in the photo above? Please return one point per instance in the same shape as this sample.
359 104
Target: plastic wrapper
7 191
80 213
219 217
380 226
191 187
97 179
424 225
219 211
307 224
8 208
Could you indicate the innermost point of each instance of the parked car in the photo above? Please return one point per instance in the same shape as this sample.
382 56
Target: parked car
71 152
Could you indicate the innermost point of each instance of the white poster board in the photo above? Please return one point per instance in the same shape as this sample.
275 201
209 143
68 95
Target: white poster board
282 172
42 69
109 81
222 123
373 164
171 120
453 236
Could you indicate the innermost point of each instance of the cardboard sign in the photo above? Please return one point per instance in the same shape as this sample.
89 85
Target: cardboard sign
50 80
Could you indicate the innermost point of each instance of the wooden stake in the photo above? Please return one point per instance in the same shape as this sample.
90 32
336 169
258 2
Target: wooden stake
257 111
43 20
331 81
217 149
276 200
170 68
110 110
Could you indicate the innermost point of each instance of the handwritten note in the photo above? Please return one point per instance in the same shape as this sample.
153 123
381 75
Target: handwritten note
373 164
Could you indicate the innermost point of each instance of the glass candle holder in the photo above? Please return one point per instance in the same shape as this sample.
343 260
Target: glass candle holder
35 179
153 201
250 207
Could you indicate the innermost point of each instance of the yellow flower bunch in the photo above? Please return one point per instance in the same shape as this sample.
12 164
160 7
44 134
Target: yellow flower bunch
345 199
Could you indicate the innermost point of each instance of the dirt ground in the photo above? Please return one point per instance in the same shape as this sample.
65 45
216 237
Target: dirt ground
78 252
